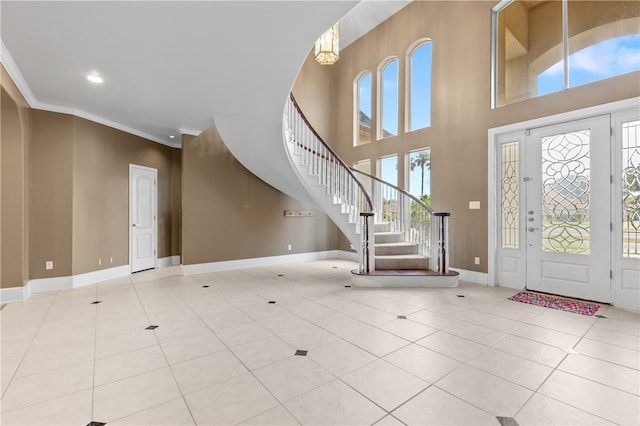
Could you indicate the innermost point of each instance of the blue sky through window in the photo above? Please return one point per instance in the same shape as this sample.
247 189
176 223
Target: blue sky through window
421 87
390 99
389 169
364 95
596 62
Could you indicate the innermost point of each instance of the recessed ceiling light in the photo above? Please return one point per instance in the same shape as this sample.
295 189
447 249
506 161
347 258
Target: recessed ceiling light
171 137
95 78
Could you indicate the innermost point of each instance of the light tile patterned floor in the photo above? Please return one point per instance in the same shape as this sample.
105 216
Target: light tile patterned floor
222 354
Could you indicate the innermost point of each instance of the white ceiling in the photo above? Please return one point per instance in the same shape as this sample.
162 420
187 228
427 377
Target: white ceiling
170 67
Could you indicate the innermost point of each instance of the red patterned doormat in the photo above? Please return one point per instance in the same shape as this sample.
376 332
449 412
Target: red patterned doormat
555 302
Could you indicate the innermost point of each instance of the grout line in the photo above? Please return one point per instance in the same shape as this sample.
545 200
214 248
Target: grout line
165 357
93 372
13 376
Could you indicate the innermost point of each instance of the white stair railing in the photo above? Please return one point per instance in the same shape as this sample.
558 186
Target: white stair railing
408 214
336 182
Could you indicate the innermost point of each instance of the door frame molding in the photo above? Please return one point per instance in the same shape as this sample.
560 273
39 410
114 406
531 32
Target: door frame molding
493 156
154 206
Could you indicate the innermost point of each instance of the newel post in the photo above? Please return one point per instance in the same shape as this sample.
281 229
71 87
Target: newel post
443 241
366 230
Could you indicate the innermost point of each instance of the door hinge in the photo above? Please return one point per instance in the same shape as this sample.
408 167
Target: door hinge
610 274
611 178
154 252
611 226
611 131
154 183
527 132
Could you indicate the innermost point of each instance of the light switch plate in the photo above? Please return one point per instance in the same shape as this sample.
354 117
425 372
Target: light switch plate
474 205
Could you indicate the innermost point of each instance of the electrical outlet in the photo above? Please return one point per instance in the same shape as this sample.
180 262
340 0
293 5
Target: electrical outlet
99 262
477 260
111 259
289 247
48 265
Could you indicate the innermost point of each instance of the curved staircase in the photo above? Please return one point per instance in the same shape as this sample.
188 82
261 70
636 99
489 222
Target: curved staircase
400 241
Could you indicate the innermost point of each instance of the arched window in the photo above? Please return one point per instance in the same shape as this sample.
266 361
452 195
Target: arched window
419 87
388 111
603 59
363 110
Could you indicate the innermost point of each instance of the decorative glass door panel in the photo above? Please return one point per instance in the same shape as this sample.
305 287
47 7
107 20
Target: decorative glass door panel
568 209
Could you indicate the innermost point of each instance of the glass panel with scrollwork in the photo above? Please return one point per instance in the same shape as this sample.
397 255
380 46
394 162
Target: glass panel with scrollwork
566 201
631 189
510 195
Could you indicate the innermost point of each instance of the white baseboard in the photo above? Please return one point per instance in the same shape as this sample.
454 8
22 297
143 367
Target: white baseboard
38 285
163 262
348 255
102 275
203 268
472 276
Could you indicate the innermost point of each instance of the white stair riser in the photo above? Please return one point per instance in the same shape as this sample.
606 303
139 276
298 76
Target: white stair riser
389 237
402 263
399 249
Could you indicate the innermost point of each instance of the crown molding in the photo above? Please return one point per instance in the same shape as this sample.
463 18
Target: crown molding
14 72
190 132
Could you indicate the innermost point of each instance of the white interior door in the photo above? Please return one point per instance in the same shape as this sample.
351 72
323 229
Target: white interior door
142 217
568 215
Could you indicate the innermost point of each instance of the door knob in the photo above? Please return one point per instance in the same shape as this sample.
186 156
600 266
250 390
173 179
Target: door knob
531 229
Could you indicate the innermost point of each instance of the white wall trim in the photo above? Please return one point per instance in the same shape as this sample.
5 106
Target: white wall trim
190 132
15 294
472 276
16 75
202 268
493 135
163 262
25 90
89 278
348 255
39 285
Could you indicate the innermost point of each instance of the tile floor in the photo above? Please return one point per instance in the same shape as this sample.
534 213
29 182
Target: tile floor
222 354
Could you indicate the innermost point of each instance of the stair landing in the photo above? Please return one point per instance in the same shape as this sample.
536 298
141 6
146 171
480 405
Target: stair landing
405 278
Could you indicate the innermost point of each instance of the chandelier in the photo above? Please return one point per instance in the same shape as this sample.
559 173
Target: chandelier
327 46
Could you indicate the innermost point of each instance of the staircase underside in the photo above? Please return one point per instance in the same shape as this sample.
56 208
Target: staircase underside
407 278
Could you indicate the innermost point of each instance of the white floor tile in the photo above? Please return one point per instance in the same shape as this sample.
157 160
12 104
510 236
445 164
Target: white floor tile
192 347
452 346
334 404
610 353
541 411
51 384
423 363
259 353
172 413
276 416
490 393
377 342
125 397
548 355
341 357
231 402
293 376
407 329
436 407
121 366
614 375
518 370
547 336
70 409
600 400
385 384
199 373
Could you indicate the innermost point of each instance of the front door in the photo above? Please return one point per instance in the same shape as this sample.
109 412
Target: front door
142 217
568 204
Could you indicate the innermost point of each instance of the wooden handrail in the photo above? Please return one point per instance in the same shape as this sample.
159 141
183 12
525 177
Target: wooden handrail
332 152
402 191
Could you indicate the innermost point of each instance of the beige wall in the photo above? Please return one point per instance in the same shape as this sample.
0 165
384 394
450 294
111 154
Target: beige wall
65 185
14 184
101 194
51 194
461 113
228 213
